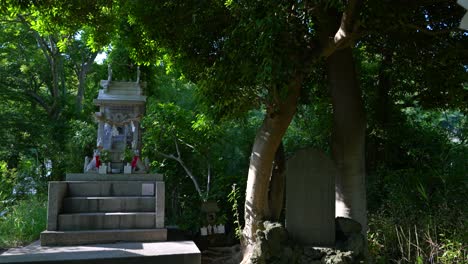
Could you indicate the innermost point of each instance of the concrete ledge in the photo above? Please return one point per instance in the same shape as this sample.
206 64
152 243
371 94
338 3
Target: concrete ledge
160 204
157 252
112 177
114 220
108 188
68 238
108 204
57 191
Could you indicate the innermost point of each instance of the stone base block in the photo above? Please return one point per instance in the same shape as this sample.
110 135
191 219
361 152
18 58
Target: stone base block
64 238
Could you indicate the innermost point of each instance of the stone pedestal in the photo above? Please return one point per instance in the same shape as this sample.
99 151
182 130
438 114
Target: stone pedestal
310 198
103 208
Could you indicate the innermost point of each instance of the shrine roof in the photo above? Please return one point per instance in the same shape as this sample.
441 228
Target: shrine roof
120 92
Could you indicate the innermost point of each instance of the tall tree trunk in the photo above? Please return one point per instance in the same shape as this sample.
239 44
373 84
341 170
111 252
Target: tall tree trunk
81 71
267 140
80 92
348 139
277 184
383 107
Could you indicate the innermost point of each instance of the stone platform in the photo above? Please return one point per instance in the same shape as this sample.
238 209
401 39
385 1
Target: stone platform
176 252
105 208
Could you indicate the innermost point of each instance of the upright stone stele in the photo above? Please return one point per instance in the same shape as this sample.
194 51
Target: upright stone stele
310 198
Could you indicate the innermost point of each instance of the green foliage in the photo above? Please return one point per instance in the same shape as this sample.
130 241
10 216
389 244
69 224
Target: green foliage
8 180
173 114
421 206
240 56
39 93
452 251
312 124
430 68
128 154
105 156
24 222
46 76
233 198
416 154
82 135
21 181
415 243
48 17
187 214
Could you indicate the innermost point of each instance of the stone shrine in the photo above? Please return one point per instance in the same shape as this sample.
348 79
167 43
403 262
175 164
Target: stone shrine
121 107
107 205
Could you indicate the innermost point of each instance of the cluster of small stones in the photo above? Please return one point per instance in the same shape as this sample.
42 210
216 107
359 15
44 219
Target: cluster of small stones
274 246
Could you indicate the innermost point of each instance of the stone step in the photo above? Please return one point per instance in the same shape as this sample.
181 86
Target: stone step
67 238
113 177
109 204
95 221
175 252
110 188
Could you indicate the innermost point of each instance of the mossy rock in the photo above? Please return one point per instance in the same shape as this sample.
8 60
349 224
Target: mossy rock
273 246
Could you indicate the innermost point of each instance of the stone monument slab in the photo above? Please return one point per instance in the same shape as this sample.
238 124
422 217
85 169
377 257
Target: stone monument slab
310 198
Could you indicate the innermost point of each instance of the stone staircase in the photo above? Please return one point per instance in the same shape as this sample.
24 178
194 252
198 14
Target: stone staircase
93 208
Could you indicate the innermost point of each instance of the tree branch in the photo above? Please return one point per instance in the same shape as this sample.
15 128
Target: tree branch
347 31
39 100
195 182
44 47
9 20
348 23
186 169
177 148
431 32
187 144
208 180
168 156
91 58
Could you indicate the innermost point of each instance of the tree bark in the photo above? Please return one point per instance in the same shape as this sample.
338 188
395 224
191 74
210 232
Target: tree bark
277 184
382 108
267 140
81 71
348 138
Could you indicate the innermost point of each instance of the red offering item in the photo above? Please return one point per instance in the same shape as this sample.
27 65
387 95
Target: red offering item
134 161
98 162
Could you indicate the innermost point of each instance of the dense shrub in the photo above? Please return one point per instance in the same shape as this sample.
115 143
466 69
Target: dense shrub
421 218
23 222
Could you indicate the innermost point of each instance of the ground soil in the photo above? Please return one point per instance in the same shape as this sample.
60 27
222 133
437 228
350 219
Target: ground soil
222 255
